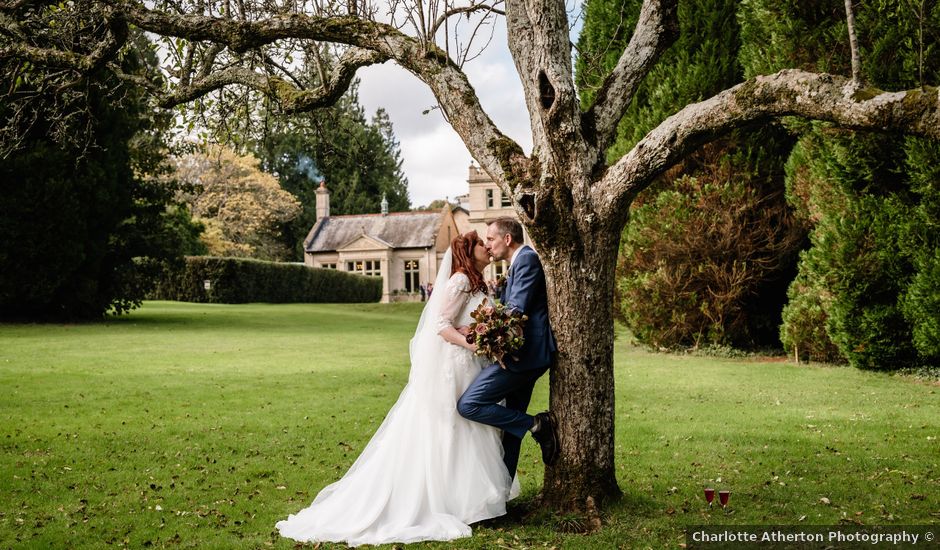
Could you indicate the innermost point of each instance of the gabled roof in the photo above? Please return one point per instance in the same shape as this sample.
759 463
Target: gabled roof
368 240
398 230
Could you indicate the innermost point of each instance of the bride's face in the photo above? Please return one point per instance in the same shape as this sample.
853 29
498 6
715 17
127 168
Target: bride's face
481 256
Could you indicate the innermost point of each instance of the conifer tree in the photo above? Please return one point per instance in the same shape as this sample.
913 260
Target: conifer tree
728 287
866 290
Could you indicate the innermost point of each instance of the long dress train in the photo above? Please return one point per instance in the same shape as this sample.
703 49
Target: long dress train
427 473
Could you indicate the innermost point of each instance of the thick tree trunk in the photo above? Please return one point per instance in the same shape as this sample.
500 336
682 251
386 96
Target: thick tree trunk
580 285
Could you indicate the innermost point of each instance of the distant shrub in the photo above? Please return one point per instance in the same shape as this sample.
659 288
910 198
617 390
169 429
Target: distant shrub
241 280
803 331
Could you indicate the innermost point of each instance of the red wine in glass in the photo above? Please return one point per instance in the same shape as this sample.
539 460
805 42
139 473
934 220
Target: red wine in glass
709 495
723 497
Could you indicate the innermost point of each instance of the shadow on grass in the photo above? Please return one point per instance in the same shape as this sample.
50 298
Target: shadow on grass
526 511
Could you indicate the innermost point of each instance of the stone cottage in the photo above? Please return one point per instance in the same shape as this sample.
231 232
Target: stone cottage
404 248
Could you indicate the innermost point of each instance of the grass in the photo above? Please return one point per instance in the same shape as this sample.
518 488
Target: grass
200 426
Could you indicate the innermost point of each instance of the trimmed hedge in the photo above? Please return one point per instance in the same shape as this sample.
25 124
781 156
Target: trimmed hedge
242 280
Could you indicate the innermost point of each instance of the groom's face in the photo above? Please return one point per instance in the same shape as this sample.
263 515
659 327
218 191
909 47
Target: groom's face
496 244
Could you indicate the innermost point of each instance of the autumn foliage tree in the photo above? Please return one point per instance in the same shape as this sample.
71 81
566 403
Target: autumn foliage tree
573 202
242 207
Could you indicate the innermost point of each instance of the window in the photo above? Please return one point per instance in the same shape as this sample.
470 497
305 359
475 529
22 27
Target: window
328 266
489 198
371 268
505 200
499 268
411 276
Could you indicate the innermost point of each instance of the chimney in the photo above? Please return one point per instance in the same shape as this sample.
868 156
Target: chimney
323 201
384 205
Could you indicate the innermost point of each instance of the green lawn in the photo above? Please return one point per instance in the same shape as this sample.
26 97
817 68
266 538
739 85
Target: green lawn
200 426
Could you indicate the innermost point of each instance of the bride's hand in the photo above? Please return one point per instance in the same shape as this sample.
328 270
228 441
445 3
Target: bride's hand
492 285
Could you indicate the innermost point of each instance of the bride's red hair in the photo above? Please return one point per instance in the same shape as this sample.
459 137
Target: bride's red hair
462 249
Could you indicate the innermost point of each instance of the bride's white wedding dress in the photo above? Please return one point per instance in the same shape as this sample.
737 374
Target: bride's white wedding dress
427 473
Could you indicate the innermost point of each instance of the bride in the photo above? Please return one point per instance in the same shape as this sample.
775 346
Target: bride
427 472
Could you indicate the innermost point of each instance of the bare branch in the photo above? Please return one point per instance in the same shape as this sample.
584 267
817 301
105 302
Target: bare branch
466 9
853 44
292 98
788 92
209 59
656 30
455 95
104 52
270 61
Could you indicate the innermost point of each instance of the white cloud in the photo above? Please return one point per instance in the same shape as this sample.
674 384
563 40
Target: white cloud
435 160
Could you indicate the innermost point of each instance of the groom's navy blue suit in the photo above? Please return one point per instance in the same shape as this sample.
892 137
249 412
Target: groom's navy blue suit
525 292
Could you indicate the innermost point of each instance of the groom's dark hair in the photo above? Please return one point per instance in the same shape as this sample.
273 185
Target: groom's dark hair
509 226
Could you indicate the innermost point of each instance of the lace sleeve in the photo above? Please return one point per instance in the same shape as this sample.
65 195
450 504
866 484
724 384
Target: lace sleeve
457 294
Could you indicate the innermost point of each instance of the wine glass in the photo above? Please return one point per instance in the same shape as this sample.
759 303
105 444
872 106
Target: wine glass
723 497
709 495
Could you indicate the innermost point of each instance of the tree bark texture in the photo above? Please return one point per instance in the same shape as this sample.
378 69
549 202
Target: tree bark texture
580 283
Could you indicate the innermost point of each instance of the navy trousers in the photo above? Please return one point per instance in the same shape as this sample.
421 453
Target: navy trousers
481 403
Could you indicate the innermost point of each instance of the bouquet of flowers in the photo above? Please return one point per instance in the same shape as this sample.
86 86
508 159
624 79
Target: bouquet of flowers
496 330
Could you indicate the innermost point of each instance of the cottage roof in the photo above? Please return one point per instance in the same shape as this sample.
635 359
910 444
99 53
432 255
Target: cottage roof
398 229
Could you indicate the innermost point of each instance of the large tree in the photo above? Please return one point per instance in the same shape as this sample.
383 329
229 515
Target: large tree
87 220
242 206
573 203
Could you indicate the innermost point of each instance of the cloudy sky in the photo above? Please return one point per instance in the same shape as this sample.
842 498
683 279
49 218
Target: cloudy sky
435 160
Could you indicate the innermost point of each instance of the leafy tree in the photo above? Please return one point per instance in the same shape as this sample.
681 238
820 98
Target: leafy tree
242 206
359 160
573 204
865 195
677 287
695 256
86 224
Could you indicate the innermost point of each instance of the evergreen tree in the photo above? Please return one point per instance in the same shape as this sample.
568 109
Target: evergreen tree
359 159
702 62
86 223
867 285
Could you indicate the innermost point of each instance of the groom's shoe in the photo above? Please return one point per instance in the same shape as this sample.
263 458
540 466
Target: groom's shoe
547 437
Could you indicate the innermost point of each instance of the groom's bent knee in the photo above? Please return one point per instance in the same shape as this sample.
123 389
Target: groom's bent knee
467 408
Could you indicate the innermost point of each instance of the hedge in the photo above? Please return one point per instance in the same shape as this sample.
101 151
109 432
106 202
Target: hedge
241 280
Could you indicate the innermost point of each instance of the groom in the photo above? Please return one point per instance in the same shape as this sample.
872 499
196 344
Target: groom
524 292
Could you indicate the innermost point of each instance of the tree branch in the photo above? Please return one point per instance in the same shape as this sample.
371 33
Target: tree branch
541 49
466 9
291 97
788 92
656 29
451 88
116 38
853 44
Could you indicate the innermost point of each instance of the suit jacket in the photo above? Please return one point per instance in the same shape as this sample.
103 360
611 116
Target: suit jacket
525 292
